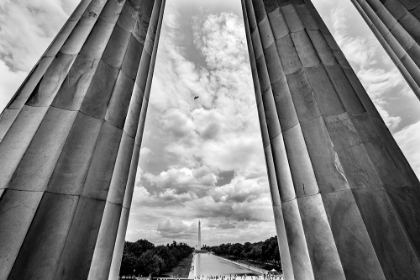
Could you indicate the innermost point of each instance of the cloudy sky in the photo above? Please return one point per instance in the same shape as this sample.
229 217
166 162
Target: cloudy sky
202 158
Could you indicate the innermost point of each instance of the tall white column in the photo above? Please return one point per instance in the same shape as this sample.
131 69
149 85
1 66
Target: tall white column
345 200
71 134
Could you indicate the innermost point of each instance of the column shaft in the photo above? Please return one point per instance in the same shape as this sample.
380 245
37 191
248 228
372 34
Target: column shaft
396 24
128 195
338 180
74 133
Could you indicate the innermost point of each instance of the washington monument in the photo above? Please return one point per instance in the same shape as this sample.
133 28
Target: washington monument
346 201
199 236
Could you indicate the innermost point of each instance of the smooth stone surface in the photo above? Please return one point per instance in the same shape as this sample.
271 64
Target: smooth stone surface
271 172
302 267
33 174
276 19
326 262
378 213
17 209
288 55
292 18
273 123
14 144
76 257
131 182
72 166
98 39
120 100
282 169
326 163
7 117
77 38
275 70
54 77
121 170
284 104
99 176
358 167
96 100
303 97
119 245
300 163
100 267
305 49
406 202
28 86
324 92
286 260
40 252
74 88
351 237
114 52
133 115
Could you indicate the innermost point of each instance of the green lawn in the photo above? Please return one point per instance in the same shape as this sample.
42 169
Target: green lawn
183 268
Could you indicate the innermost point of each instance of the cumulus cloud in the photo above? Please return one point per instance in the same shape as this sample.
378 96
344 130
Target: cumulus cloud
360 51
238 191
381 79
182 180
35 21
174 229
9 82
209 148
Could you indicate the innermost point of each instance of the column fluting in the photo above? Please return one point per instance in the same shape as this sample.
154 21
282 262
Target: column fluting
70 137
345 199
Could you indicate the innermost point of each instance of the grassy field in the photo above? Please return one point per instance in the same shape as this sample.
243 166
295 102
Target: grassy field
183 268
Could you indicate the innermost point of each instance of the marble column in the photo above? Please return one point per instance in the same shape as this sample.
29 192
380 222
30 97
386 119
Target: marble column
346 202
128 196
71 138
396 24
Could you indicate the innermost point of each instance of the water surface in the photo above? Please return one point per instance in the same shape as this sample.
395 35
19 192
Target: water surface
207 264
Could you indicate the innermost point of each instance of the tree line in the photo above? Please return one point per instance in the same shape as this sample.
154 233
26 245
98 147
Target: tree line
263 252
144 258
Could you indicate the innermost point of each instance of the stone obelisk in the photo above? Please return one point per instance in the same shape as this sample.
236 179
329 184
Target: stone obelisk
70 144
346 202
396 24
199 236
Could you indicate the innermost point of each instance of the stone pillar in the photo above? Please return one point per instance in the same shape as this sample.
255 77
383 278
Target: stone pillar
72 135
396 24
345 200
128 196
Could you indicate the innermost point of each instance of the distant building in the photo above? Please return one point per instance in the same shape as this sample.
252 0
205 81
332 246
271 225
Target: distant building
199 235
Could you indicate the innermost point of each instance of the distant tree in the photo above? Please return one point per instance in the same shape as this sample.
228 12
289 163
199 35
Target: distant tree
146 258
236 249
266 251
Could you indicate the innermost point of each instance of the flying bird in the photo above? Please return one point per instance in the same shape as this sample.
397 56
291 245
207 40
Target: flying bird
196 97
